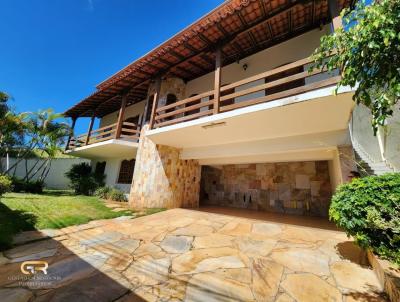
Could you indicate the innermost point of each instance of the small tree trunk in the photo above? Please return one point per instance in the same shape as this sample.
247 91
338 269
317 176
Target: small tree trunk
44 176
22 157
38 169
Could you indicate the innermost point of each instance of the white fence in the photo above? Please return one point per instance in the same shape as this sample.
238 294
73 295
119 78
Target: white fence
55 179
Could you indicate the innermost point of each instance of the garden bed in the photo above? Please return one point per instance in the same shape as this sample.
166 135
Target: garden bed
388 275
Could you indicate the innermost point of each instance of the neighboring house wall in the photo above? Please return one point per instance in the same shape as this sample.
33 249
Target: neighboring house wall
56 178
113 166
301 188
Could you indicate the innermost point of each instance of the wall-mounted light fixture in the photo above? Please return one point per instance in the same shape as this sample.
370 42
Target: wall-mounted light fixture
213 125
245 66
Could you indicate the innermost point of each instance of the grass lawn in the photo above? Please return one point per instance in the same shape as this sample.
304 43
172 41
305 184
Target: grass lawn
52 209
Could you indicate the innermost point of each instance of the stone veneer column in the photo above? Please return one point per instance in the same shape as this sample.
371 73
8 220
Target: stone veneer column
161 179
347 161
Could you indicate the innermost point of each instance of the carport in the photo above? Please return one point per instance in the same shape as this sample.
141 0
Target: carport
297 187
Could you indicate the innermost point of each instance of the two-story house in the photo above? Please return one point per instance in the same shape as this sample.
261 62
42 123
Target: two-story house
226 113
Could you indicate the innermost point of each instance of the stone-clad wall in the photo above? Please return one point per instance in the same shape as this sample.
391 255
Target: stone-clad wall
301 188
347 161
161 179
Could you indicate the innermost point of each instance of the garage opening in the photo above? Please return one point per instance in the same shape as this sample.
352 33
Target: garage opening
299 188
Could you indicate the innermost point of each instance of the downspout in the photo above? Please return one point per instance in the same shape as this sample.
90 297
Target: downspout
381 136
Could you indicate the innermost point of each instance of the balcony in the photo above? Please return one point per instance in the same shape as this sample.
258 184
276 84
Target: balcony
279 83
288 101
106 142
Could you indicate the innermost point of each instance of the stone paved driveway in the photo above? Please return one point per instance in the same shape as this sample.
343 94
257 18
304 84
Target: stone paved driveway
192 256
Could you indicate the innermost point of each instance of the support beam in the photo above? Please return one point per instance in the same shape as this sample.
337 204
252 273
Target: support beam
222 29
198 66
334 13
72 133
165 62
205 40
263 8
99 106
313 12
217 80
121 116
155 101
205 58
146 109
244 29
252 39
191 48
90 128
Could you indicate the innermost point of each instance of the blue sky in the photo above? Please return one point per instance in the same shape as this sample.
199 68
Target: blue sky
54 52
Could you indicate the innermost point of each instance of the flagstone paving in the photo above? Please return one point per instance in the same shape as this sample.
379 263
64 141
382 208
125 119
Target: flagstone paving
188 255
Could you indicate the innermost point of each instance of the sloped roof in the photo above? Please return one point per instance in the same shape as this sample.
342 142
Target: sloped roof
240 27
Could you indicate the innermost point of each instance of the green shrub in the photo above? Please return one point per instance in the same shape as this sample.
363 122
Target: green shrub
103 192
110 193
117 195
369 210
32 186
18 185
5 184
83 180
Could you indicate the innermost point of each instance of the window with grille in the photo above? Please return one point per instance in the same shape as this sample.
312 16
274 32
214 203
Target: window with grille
126 171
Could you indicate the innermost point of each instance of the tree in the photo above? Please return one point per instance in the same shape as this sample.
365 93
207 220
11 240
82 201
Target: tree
367 52
83 180
48 135
31 135
3 103
12 128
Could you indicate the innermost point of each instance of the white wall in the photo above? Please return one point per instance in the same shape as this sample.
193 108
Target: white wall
292 50
262 61
131 111
56 178
363 134
386 144
392 140
335 171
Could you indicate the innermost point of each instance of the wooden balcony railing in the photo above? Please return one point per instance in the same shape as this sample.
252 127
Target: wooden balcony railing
281 82
129 131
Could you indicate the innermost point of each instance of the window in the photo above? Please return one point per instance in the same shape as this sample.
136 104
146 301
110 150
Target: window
126 171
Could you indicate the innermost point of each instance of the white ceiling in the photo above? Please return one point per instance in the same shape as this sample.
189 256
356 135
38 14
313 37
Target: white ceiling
108 149
307 114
